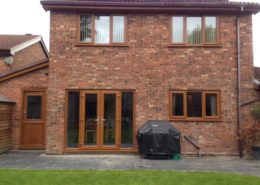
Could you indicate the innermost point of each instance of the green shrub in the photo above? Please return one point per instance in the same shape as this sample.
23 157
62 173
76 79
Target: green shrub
255 111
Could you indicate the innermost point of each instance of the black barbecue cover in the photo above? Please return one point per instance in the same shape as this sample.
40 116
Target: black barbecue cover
158 138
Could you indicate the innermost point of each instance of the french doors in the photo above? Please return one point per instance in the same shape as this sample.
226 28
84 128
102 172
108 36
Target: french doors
100 120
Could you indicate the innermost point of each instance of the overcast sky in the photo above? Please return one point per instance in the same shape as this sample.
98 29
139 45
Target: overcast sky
28 16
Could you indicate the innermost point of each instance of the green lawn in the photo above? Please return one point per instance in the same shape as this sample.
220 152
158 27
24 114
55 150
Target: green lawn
20 177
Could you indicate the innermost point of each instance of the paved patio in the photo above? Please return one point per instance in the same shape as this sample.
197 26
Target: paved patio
39 160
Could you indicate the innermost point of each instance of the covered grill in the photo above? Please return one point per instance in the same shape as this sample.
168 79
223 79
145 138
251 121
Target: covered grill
158 138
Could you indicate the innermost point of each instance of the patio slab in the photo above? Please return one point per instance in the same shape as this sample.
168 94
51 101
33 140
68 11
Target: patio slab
39 160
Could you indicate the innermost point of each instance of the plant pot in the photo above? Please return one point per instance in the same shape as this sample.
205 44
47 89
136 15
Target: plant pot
256 152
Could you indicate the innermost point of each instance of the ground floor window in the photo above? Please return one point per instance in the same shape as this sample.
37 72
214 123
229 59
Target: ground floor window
100 119
195 105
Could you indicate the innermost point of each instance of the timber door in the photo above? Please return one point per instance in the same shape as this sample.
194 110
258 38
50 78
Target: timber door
33 120
100 120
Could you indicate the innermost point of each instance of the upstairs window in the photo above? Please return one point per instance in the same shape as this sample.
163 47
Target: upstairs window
195 105
102 29
194 30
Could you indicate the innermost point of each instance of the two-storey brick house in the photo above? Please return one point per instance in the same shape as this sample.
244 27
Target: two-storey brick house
115 64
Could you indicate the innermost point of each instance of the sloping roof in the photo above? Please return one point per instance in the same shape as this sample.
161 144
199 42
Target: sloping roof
10 41
163 5
10 44
6 100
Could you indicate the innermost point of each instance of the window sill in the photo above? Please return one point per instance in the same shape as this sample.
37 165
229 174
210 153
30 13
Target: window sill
196 120
101 45
195 46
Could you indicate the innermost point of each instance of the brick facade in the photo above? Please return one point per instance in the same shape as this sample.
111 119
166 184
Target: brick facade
12 89
152 68
25 57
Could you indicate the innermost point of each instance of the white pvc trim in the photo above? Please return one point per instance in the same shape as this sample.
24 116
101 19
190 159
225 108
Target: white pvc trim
25 45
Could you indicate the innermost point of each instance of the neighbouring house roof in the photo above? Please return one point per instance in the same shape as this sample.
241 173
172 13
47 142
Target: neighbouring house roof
6 100
153 5
10 44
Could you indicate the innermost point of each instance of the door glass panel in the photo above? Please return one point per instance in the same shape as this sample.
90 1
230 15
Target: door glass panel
127 120
91 121
34 107
73 120
109 119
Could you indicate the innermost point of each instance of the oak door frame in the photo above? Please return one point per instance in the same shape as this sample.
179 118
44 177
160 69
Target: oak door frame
132 149
44 113
100 125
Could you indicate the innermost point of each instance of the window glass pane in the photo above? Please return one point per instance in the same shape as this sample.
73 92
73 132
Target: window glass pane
211 105
85 29
194 30
34 107
102 29
109 135
118 29
177 104
194 105
73 120
91 117
127 119
211 29
177 29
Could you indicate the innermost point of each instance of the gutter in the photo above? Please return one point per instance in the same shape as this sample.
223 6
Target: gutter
156 6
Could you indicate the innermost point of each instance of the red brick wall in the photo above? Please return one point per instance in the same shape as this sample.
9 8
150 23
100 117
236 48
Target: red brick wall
12 89
248 93
24 57
152 68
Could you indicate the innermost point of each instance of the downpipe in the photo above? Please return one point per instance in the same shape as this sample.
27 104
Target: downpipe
240 145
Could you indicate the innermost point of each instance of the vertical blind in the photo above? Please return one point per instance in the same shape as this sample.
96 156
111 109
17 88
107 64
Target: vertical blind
211 29
194 30
102 29
118 29
102 25
211 105
177 31
85 29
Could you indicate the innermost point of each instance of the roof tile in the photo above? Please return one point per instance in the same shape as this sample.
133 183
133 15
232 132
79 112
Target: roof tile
9 41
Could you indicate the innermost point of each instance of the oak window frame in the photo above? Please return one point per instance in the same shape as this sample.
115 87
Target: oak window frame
93 43
185 116
203 32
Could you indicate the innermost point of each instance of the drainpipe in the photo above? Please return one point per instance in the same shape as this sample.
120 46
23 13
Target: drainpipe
240 146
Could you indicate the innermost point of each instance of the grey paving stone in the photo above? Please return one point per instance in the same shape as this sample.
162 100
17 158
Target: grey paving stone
39 160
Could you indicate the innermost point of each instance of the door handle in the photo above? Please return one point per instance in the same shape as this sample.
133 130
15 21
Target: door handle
96 120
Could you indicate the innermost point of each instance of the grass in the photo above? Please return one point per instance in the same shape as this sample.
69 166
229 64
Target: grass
47 177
